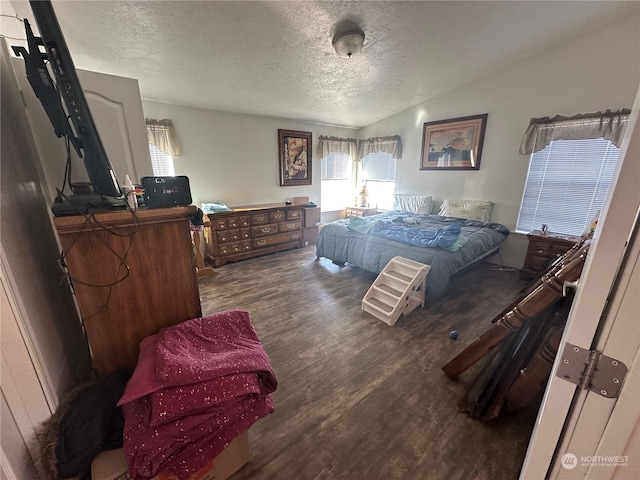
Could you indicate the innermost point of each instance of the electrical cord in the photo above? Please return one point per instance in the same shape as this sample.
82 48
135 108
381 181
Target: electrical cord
501 267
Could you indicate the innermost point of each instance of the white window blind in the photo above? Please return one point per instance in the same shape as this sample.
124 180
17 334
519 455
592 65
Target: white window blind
379 166
336 186
161 163
567 184
379 176
336 166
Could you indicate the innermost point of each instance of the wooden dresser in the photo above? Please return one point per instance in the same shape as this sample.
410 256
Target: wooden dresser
251 231
544 247
131 277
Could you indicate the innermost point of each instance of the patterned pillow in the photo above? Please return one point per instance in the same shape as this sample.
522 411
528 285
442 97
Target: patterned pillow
413 203
469 209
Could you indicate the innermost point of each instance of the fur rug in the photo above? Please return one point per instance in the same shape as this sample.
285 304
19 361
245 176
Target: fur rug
86 421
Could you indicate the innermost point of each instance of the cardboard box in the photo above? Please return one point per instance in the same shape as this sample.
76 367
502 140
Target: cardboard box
111 465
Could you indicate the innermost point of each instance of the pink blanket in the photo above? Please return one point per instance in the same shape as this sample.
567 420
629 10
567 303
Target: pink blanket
196 387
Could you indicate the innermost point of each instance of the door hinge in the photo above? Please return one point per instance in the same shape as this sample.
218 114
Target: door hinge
591 370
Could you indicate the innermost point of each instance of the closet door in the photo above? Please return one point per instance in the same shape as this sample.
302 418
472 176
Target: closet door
116 109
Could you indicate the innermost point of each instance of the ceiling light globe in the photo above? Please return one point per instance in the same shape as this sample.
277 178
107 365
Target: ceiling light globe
348 43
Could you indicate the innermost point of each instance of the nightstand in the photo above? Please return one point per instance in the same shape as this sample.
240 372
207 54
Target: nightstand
359 211
543 248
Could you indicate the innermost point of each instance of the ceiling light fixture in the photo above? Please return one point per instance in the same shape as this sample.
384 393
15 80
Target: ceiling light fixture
349 42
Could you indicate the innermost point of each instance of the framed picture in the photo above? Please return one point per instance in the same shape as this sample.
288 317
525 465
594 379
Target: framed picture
295 157
454 144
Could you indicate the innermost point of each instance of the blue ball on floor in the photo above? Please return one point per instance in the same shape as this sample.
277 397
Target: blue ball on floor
453 334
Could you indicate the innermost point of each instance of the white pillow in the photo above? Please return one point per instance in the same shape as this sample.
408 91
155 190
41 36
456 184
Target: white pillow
469 209
412 203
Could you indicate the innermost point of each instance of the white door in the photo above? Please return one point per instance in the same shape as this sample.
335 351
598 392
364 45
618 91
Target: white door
116 108
604 317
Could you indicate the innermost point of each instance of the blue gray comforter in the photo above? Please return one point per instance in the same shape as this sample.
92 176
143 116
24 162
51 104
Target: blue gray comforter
357 241
440 237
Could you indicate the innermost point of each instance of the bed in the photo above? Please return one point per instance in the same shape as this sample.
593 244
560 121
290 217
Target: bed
447 243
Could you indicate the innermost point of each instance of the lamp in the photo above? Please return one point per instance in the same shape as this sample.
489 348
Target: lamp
348 42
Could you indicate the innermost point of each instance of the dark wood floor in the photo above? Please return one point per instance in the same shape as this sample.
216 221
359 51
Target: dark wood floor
358 399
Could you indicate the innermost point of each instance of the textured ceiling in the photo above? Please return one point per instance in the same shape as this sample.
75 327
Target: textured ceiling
275 58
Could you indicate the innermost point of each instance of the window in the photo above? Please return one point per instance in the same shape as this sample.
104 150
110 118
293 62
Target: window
337 188
379 176
163 145
161 162
567 184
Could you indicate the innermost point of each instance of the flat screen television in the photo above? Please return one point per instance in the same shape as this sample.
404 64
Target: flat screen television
63 99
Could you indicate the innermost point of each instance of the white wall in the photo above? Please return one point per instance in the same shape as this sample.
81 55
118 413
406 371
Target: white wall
233 158
598 71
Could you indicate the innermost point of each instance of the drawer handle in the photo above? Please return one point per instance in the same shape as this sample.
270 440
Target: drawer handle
295 235
262 242
265 229
291 225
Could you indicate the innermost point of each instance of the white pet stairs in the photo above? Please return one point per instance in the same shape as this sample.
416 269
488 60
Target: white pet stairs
398 289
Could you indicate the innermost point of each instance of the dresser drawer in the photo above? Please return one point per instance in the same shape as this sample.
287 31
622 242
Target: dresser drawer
277 216
541 249
219 223
259 219
233 248
222 236
557 250
537 263
277 239
225 236
245 233
262 230
239 247
290 226
223 249
294 214
547 249
237 222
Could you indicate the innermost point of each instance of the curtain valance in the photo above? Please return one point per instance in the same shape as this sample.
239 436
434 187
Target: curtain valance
327 145
392 145
162 134
541 131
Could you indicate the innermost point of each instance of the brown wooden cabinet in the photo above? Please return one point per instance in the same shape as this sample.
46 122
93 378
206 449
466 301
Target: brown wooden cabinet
543 248
245 232
131 277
